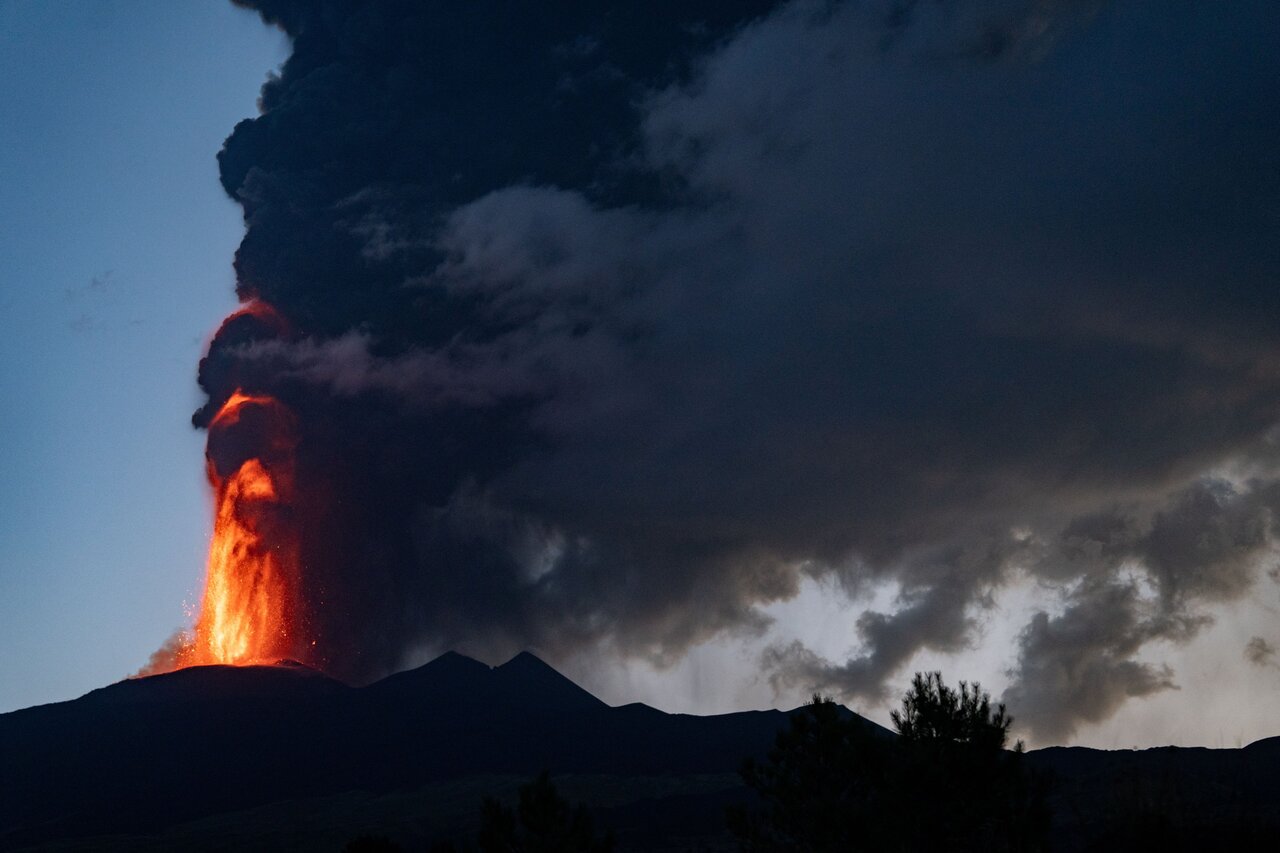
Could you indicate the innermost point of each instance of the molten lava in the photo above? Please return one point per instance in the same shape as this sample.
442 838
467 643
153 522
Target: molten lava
250 610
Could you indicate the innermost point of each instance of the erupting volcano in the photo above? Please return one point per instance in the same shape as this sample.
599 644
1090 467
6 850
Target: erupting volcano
250 608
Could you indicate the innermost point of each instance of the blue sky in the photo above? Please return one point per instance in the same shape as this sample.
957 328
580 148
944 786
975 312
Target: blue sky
115 266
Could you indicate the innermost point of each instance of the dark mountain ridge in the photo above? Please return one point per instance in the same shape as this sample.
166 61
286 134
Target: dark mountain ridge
144 754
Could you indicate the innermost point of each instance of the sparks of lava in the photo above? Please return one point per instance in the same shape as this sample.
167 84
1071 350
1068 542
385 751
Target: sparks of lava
249 612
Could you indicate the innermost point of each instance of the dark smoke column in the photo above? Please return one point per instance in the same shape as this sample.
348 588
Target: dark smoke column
386 116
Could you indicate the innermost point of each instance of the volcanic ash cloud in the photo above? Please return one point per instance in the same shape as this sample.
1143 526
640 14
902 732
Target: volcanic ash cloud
606 327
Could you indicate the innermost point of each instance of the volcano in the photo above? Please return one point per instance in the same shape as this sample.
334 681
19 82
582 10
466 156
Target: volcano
148 753
283 756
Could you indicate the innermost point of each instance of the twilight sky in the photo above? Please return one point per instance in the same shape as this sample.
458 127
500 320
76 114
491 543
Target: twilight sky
719 353
115 251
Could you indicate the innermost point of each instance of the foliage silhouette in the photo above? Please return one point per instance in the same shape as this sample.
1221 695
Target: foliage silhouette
932 712
821 788
961 789
542 822
945 783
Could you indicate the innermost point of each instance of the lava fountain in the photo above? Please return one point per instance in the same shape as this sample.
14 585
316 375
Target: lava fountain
250 608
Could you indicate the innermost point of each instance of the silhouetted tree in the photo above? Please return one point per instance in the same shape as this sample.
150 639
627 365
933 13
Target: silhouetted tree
822 787
946 782
960 788
542 822
932 712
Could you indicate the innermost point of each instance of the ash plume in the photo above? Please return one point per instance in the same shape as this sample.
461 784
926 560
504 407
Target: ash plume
606 325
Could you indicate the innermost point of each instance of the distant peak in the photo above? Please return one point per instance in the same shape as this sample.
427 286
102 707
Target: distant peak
525 681
526 659
455 660
451 655
448 666
539 682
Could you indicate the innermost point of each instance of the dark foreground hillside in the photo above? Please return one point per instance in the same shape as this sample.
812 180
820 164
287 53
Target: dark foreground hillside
285 747
283 757
1166 799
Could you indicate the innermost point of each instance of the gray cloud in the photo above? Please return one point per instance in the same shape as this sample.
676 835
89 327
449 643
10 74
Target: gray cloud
1204 543
1078 667
1135 575
935 621
1259 652
937 609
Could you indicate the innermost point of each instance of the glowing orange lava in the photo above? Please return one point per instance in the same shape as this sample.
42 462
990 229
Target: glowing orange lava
249 610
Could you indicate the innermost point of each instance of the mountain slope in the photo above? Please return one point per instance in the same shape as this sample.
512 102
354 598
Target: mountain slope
148 753
215 757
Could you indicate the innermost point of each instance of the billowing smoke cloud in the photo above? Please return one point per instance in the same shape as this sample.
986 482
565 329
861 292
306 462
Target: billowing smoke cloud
1130 575
1142 579
608 324
1079 667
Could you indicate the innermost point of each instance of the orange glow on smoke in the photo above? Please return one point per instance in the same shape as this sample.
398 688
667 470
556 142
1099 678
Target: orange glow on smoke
249 612
260 311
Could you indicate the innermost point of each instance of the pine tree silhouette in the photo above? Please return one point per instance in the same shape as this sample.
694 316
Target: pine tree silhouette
945 783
